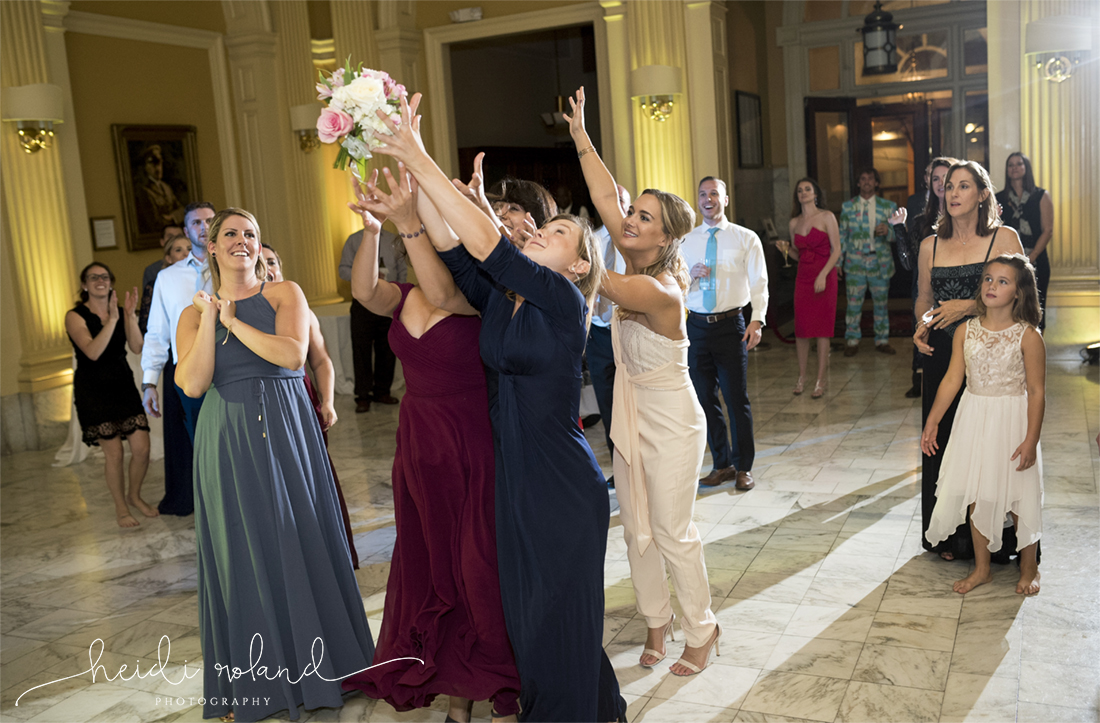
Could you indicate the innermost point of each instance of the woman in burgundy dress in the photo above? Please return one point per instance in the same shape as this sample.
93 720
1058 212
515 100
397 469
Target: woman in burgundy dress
816 248
443 601
321 364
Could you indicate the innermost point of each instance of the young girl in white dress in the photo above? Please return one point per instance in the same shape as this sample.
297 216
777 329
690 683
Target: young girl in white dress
992 465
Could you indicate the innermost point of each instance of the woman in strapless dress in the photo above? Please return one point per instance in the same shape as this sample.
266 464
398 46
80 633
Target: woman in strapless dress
816 247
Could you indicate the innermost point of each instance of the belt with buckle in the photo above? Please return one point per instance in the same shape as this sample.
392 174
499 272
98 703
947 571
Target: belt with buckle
714 318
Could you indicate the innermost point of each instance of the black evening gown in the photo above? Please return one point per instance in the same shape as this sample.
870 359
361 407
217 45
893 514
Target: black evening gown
552 508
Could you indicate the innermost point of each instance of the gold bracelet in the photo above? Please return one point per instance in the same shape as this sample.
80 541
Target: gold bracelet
590 149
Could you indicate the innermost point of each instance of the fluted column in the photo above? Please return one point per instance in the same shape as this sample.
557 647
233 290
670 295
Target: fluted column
619 154
36 221
310 254
1060 132
662 151
399 41
708 94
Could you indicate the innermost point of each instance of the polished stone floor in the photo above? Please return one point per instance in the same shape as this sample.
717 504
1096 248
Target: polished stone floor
829 607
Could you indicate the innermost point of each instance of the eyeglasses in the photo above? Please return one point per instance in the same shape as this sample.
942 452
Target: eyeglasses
98 277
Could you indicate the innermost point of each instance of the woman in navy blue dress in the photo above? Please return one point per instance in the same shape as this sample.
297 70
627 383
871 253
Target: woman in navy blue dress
552 507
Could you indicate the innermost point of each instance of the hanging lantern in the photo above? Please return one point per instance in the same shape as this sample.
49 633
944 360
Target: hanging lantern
880 46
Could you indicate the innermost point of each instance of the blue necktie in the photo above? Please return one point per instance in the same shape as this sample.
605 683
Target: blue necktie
710 290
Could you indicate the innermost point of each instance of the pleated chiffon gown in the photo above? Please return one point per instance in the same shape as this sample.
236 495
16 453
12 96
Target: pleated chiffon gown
443 601
274 567
552 507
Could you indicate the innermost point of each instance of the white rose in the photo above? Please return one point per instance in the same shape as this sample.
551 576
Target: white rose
366 92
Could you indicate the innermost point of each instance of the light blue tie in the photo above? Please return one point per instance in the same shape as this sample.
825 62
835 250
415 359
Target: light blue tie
710 289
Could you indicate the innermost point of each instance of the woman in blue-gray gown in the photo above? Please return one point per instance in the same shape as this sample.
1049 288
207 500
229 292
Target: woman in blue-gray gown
552 507
281 619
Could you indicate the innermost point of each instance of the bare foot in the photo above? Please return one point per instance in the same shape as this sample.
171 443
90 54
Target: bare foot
654 640
971 581
1029 580
127 520
142 507
505 718
947 556
227 718
699 657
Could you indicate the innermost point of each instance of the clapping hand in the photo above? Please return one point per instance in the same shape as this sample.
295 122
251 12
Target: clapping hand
112 306
405 142
131 302
202 301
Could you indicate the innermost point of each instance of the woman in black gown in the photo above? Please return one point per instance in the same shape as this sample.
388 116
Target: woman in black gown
950 272
1030 210
552 507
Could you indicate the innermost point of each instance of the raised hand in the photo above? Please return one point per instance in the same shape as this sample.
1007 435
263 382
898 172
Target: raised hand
898 216
475 189
131 302
362 204
399 205
576 119
112 306
404 143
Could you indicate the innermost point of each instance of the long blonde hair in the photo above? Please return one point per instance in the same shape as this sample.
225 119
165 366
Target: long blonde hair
212 238
677 220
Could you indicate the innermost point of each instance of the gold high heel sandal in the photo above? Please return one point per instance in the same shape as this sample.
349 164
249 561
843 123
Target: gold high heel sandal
819 390
671 634
699 669
798 387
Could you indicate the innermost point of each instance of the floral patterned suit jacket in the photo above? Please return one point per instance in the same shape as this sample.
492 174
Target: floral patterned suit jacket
864 253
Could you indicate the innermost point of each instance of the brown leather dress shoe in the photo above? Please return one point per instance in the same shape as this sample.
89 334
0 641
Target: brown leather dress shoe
851 349
385 399
744 481
719 476
885 349
362 405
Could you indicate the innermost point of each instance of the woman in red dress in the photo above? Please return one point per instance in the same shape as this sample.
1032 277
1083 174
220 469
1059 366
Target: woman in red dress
816 248
443 602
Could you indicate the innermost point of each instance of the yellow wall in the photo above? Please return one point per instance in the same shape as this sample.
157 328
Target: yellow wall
127 81
199 14
434 13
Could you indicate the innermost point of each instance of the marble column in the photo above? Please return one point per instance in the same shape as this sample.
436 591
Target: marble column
619 154
662 150
399 41
38 237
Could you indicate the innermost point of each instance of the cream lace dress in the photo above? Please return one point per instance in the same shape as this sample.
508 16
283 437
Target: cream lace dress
990 424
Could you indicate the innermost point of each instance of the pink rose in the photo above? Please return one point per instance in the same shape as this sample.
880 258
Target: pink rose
332 124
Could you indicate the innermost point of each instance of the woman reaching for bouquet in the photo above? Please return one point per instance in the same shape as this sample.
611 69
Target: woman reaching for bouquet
443 602
552 508
659 430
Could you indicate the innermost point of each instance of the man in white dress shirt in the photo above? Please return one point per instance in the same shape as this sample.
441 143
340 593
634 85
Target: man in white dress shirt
727 272
173 291
598 352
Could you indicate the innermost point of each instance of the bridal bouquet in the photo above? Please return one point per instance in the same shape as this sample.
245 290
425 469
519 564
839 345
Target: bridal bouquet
352 97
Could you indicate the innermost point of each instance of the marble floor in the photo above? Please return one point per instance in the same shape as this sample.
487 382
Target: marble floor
830 609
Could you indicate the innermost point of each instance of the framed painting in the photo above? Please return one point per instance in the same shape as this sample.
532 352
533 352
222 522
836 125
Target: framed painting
158 175
750 131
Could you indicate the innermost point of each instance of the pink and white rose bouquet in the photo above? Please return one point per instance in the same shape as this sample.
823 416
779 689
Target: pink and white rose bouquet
353 97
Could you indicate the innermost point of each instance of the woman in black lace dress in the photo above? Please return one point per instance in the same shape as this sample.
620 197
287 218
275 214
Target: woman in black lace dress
1030 210
107 401
950 271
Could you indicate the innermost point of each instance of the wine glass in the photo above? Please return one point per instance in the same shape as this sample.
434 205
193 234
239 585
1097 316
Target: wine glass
784 248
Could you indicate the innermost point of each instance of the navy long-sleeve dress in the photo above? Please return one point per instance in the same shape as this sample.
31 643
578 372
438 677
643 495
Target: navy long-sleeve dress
552 508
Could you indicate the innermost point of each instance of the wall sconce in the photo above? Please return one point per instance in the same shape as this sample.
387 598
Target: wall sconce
655 85
34 109
1053 40
303 121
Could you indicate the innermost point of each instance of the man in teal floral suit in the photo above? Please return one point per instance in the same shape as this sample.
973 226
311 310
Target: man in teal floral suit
868 260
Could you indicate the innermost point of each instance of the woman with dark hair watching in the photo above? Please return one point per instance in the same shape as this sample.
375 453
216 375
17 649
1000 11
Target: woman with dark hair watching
108 404
968 234
816 247
510 202
1030 210
919 227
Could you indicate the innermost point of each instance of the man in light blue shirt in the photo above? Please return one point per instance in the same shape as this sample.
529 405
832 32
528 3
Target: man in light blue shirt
172 293
598 352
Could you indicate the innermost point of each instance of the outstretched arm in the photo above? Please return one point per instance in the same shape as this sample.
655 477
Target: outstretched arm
479 234
378 295
601 184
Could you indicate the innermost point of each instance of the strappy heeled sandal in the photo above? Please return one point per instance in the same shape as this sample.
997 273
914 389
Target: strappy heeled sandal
668 632
798 387
819 390
695 669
